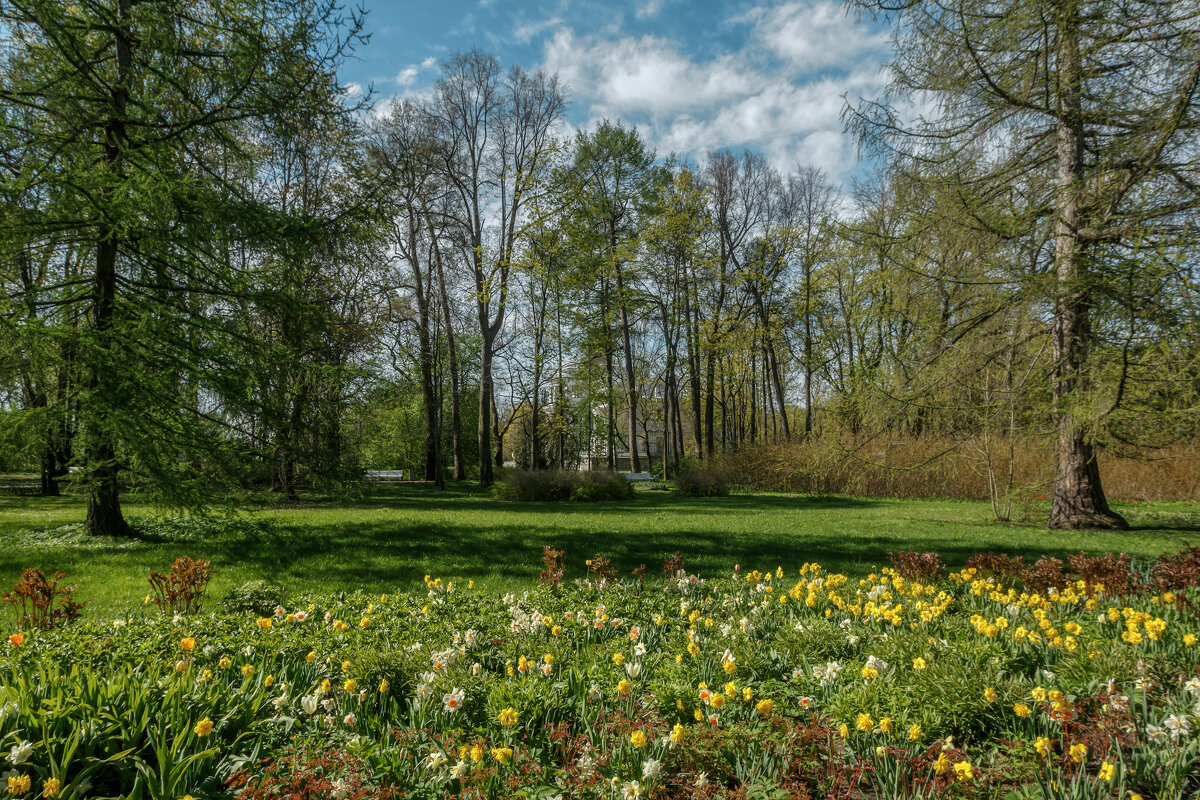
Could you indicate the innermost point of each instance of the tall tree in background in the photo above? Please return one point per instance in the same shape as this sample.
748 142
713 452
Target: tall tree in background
613 167
1098 100
498 134
143 105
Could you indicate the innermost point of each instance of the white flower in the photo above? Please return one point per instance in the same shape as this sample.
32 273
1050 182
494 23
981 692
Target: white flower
477 669
208 650
877 664
459 769
453 701
1193 686
280 611
640 649
651 768
248 650
828 673
308 703
1155 734
20 753
701 780
1177 724
631 790
328 704
300 616
341 789
633 668
586 764
424 691
436 760
279 702
350 719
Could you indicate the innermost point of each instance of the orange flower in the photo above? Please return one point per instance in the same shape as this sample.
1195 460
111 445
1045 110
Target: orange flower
17 638
188 643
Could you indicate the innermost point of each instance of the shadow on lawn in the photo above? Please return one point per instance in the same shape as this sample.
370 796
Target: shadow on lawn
385 554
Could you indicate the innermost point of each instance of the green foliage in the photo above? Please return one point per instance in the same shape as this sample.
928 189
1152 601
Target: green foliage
560 485
254 597
700 483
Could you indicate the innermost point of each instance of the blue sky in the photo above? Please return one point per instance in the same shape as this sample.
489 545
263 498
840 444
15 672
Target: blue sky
692 76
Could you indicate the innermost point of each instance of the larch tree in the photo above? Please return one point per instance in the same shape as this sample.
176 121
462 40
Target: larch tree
144 106
1093 105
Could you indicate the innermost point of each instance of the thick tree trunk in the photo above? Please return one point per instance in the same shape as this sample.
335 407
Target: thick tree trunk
104 516
1079 500
486 475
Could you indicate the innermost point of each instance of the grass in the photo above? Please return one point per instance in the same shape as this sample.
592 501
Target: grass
392 537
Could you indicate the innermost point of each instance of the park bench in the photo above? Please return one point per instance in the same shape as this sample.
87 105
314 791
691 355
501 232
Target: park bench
386 475
639 477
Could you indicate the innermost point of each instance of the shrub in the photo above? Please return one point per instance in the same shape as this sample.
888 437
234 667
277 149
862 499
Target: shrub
559 485
700 483
1045 574
181 590
34 598
254 597
1110 571
594 486
997 565
602 569
552 560
922 567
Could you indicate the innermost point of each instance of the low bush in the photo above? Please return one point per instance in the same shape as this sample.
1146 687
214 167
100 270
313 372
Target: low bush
181 590
560 485
40 602
701 483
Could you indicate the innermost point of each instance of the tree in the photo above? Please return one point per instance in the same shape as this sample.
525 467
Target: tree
1095 99
144 107
498 134
613 168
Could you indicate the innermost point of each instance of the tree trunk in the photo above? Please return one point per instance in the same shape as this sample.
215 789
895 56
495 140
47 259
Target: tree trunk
635 464
460 467
104 516
486 475
693 357
1079 501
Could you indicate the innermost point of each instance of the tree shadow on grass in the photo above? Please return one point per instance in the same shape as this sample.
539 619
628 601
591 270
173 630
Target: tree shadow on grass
381 555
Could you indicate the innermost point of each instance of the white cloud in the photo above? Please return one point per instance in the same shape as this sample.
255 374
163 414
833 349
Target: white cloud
815 34
649 8
525 32
755 97
645 74
407 75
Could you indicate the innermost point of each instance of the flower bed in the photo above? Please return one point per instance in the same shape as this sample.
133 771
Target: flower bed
755 685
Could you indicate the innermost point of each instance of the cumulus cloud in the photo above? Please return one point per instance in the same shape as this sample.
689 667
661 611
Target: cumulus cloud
815 34
407 75
781 92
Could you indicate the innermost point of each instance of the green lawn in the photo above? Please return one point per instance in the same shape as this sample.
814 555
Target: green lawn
393 537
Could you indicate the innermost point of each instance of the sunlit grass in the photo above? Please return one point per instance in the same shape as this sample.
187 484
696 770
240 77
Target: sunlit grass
393 537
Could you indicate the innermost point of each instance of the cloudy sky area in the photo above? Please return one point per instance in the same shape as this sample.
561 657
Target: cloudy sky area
693 76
